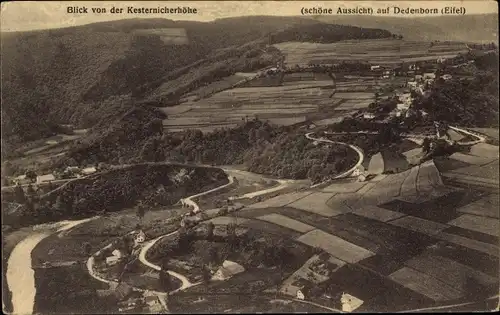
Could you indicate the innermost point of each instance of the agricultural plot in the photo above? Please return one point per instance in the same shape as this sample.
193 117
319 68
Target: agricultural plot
394 161
306 97
344 187
381 51
377 213
286 222
425 285
419 225
409 186
486 225
316 203
335 246
482 247
328 121
281 201
471 159
490 132
485 150
487 206
218 86
448 271
228 220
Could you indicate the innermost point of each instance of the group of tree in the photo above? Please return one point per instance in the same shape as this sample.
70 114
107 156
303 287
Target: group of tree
470 102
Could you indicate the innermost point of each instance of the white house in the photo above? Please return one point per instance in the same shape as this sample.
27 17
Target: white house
111 260
89 170
368 115
45 178
441 60
117 253
418 77
228 269
446 77
429 75
300 295
139 238
374 68
412 84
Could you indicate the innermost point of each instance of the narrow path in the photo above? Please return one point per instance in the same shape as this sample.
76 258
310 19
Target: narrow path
282 183
190 202
358 150
20 273
142 258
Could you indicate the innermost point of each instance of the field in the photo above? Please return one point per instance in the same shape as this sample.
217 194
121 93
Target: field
292 103
335 246
381 51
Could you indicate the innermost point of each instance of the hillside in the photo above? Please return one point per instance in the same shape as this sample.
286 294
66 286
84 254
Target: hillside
262 148
114 190
76 75
473 28
471 101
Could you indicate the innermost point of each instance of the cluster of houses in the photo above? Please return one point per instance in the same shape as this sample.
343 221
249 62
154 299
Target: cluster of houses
69 172
116 255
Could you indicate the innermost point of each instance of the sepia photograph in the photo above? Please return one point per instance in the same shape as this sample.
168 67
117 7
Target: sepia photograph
249 157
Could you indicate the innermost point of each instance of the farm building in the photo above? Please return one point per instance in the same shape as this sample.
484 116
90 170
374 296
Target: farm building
45 178
446 77
72 169
116 255
89 170
372 68
228 269
21 180
441 60
418 77
429 75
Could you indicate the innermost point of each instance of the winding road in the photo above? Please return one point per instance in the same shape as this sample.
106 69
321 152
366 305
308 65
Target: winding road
361 157
20 274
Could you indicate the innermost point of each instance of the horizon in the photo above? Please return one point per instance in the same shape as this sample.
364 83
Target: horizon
45 15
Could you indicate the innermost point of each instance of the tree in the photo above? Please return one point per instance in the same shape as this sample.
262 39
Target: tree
19 194
206 273
50 186
210 230
141 211
87 249
31 175
30 191
165 281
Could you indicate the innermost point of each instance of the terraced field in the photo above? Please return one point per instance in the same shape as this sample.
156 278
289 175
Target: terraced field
382 51
285 105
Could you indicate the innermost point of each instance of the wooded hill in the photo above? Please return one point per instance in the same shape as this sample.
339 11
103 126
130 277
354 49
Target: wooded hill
77 75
